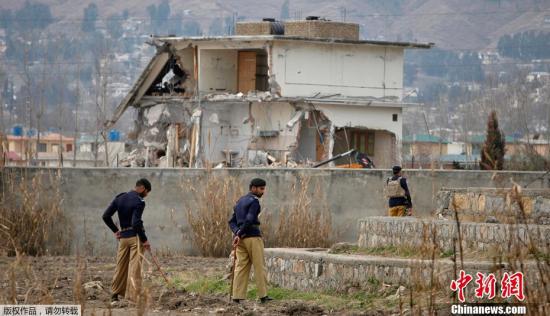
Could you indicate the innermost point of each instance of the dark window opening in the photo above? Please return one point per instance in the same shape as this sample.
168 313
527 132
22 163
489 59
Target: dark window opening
42 147
394 117
170 80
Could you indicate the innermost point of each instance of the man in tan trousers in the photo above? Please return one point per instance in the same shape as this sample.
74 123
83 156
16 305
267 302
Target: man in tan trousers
131 240
250 246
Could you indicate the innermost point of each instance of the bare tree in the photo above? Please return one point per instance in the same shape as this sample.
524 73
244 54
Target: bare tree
27 79
101 97
60 112
40 112
77 103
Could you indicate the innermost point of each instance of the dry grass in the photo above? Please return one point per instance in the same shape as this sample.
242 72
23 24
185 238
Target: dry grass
209 219
32 221
306 223
20 274
513 254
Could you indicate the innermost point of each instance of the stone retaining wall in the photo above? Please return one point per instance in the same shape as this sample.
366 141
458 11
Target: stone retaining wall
410 232
491 202
306 270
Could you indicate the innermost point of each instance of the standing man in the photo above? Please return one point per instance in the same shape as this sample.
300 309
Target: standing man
131 239
397 191
250 246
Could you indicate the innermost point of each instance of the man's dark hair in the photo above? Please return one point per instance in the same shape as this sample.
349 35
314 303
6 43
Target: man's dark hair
257 182
396 169
144 183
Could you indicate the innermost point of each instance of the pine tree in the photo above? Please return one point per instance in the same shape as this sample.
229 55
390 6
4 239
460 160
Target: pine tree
492 155
90 17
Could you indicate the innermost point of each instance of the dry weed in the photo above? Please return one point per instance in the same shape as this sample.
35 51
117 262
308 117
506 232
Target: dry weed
31 216
208 221
305 224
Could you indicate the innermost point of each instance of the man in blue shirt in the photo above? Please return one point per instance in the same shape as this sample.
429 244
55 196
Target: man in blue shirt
250 246
131 239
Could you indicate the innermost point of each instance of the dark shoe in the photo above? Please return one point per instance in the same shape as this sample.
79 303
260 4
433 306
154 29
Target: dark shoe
114 298
265 299
237 301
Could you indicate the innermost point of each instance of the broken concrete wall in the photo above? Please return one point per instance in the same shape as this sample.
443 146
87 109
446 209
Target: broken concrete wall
356 71
307 146
371 117
185 58
222 128
217 70
271 132
377 119
246 128
385 154
153 121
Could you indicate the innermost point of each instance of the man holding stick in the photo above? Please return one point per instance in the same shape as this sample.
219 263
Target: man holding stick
248 244
131 239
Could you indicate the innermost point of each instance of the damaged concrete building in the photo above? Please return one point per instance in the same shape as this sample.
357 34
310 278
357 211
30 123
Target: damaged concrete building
279 94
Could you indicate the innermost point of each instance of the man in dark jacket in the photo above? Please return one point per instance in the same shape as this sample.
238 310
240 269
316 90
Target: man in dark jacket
397 192
250 246
131 239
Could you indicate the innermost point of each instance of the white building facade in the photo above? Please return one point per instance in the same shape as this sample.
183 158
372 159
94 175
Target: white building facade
257 99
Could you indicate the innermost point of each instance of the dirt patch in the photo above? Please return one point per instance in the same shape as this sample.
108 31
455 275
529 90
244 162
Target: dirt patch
86 281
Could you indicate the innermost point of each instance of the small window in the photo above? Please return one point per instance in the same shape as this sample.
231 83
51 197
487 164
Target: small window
69 147
42 147
394 117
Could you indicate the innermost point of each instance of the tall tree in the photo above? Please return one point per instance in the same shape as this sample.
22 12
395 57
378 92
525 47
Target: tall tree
33 16
192 28
152 10
163 12
90 17
114 26
285 11
492 155
216 28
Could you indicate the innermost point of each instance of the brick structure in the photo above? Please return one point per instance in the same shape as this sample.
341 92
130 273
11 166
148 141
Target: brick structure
253 28
322 29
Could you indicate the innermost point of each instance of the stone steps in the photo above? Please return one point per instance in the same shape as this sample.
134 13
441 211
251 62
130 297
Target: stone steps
411 232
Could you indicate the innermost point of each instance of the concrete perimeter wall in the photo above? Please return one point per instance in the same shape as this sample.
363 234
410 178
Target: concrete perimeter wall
350 195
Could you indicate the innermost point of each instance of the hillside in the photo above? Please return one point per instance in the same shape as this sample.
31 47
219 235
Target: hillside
454 24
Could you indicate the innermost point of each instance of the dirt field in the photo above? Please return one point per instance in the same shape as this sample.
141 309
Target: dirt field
86 281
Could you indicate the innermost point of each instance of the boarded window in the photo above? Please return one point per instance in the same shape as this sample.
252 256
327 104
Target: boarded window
247 72
363 141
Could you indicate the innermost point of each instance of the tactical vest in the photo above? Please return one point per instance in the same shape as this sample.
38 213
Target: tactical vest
393 188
